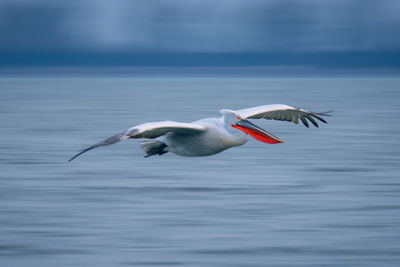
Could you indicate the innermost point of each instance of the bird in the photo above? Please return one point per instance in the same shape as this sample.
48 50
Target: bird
210 136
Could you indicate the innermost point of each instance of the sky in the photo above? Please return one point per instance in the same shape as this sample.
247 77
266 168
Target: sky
322 33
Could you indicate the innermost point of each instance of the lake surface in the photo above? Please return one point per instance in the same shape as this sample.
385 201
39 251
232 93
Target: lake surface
326 197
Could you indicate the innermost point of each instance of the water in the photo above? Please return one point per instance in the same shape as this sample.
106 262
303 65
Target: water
326 197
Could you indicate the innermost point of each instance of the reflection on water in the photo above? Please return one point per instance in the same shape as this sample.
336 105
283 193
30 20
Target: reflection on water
327 197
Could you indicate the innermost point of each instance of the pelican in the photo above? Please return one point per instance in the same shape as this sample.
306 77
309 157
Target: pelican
211 135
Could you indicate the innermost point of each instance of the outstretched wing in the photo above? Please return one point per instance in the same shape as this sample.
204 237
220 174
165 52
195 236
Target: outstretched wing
148 130
282 112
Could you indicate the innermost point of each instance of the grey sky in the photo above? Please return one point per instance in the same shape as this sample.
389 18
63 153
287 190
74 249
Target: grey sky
200 25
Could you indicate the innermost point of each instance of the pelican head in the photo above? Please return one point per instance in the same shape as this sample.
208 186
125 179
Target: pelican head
232 119
255 131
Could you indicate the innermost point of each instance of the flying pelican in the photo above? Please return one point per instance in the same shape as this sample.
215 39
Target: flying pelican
211 135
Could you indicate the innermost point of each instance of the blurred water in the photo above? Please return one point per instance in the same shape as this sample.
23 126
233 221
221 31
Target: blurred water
326 197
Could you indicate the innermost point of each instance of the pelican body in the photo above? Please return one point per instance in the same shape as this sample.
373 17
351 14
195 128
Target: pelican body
211 135
215 138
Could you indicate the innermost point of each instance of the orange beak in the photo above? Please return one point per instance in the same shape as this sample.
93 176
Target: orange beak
256 132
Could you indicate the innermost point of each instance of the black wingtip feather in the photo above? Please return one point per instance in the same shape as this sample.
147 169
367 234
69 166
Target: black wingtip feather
80 153
318 114
312 120
325 113
304 122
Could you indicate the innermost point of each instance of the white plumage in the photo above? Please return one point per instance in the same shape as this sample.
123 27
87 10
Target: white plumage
212 135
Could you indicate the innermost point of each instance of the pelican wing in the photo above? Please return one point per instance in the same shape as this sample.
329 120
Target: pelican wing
156 129
148 130
282 112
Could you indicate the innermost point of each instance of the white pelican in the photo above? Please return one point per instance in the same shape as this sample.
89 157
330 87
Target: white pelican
211 135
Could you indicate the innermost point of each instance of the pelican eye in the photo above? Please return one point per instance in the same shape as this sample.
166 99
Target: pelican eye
238 118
